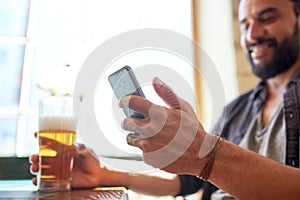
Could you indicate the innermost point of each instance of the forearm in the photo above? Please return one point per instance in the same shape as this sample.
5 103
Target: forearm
146 184
247 175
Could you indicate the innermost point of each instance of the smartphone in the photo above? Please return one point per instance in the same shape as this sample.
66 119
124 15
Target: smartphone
123 83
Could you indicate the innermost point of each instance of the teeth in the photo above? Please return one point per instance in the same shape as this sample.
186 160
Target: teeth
259 48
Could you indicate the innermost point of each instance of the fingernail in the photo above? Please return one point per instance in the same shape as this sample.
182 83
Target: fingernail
123 124
124 102
158 81
79 146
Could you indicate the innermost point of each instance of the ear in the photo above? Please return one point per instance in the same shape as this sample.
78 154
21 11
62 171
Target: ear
297 9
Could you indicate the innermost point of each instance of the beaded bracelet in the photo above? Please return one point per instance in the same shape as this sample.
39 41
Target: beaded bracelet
204 175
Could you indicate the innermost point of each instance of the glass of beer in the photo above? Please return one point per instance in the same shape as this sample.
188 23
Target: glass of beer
56 135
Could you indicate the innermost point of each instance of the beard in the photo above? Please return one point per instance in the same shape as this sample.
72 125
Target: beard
285 56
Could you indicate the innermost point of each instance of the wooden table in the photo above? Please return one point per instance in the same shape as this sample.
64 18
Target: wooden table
95 194
23 189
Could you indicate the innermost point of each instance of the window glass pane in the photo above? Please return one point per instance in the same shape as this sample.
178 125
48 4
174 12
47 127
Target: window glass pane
26 143
11 61
58 18
8 132
13 17
53 70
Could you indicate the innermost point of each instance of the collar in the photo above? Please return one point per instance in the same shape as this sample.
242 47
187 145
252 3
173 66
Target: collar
295 78
260 90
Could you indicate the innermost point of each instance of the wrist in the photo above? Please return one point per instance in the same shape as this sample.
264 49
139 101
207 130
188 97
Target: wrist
198 158
207 155
116 178
211 156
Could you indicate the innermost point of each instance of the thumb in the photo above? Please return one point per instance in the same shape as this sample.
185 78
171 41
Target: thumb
166 93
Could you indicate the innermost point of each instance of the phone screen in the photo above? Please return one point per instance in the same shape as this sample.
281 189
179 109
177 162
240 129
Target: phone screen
123 83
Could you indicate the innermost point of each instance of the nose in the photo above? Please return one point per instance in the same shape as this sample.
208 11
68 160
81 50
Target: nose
255 32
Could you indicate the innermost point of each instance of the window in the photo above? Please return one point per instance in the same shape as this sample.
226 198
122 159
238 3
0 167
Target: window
43 44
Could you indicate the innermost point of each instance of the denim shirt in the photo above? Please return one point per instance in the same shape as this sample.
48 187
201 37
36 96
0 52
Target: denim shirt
236 118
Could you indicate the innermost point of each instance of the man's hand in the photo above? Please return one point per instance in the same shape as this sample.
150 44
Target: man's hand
169 137
87 171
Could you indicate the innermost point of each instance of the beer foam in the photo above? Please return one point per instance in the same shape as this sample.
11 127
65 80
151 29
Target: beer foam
57 123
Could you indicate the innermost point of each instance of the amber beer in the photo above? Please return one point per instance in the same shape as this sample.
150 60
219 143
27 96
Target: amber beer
56 136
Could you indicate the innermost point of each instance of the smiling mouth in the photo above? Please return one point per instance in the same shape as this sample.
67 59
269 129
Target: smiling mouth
260 49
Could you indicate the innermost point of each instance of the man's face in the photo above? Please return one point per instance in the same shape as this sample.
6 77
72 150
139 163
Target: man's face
269 35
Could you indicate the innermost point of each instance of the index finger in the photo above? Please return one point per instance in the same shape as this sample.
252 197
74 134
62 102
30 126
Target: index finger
137 103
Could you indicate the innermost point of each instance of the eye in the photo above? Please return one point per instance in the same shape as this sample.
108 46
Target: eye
267 20
268 17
